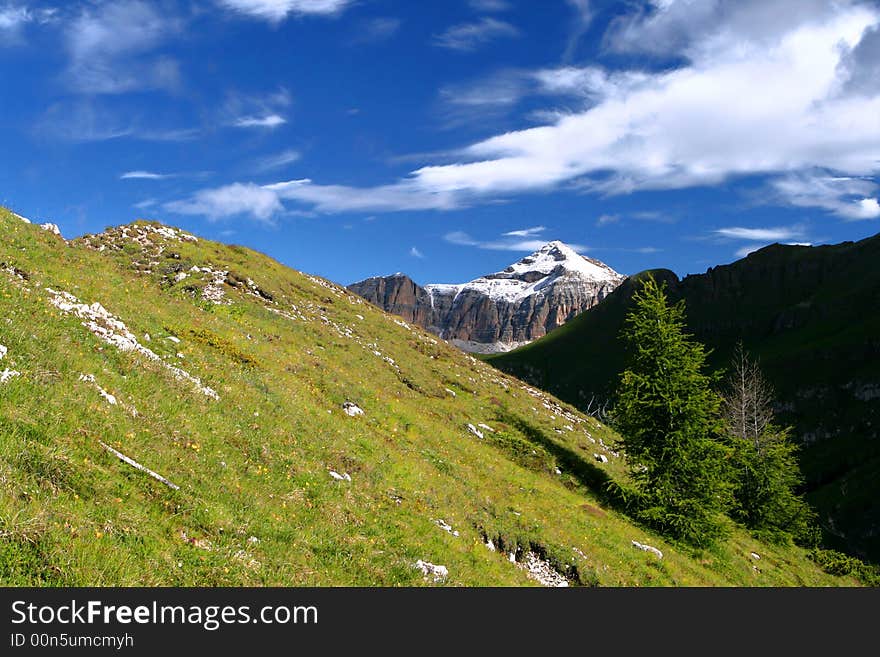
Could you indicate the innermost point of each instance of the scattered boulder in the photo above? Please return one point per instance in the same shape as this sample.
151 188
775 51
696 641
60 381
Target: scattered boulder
340 477
445 526
542 571
601 458
474 430
486 427
352 409
52 228
437 573
648 548
3 351
756 556
6 375
451 392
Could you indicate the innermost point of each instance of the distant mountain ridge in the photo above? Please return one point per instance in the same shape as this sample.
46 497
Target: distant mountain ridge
503 310
812 317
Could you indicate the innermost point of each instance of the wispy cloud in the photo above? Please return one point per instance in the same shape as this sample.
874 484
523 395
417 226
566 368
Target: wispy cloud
242 110
760 237
144 175
278 160
581 23
507 242
267 121
467 37
607 219
489 6
109 47
636 130
13 19
415 253
762 234
847 196
276 11
525 232
232 200
89 119
771 90
376 30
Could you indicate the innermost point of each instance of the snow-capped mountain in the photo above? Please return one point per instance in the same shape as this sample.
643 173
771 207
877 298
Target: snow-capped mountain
504 310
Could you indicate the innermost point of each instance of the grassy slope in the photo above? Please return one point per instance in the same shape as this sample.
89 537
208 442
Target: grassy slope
256 463
810 315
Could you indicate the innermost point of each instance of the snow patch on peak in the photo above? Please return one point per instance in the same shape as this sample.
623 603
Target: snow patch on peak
558 254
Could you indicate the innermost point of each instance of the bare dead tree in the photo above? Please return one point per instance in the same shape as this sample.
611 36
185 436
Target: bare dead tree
748 399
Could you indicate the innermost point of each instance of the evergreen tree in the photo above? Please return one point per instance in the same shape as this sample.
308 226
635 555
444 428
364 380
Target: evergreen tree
766 472
669 417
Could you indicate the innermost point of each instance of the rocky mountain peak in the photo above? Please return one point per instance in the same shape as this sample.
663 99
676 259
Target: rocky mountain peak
503 310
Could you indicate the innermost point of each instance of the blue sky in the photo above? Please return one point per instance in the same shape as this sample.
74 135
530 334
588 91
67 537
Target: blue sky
448 138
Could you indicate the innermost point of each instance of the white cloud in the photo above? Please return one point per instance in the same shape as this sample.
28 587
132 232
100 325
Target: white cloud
525 232
466 37
248 110
13 18
143 175
762 234
278 160
751 100
415 253
405 195
846 196
232 200
607 219
276 11
460 238
108 45
268 121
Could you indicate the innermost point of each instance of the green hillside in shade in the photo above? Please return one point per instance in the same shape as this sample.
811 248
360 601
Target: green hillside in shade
235 384
812 317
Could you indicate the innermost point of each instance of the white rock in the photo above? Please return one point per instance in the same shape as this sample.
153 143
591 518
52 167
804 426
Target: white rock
253 539
352 409
451 392
336 475
445 526
52 228
6 375
486 427
474 430
542 571
438 573
648 548
601 458
113 331
756 556
3 351
558 471
490 544
106 395
88 378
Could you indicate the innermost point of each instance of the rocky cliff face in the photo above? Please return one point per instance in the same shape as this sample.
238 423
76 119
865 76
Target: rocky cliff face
504 310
